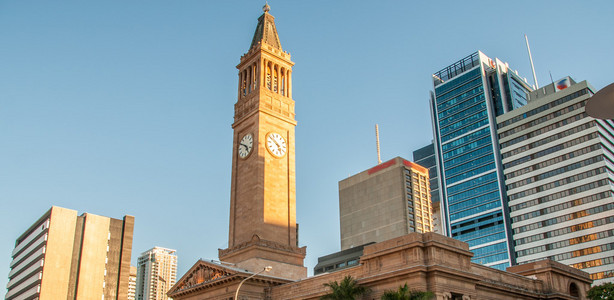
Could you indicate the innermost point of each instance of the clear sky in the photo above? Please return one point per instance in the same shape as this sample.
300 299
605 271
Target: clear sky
125 107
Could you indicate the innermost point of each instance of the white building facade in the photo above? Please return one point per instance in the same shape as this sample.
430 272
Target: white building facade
559 174
156 273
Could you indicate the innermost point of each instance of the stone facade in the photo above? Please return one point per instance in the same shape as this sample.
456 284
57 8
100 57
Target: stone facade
426 262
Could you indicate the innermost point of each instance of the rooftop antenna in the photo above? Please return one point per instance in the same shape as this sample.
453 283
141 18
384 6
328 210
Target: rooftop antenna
379 159
531 59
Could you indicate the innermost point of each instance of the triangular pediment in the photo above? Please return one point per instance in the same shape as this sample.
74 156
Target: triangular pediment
202 273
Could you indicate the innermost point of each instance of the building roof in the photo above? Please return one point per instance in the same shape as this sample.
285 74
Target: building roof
266 32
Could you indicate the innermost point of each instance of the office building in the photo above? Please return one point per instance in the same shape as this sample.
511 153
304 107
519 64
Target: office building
65 256
156 273
467 97
339 260
386 201
132 283
559 173
425 157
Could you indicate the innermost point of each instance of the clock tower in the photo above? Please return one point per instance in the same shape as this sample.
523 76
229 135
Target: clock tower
263 229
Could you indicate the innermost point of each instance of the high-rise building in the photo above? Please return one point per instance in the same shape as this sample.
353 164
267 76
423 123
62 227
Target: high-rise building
467 97
559 172
65 256
156 273
425 157
132 283
384 202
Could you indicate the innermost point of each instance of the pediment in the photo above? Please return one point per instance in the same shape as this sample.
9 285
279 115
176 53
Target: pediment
203 272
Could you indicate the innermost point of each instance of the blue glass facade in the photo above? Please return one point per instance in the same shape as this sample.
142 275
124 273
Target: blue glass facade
467 97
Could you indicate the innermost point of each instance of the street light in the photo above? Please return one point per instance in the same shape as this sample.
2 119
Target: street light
601 105
266 269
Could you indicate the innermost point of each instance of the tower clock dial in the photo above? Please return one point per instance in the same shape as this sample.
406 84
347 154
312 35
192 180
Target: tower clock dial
276 144
245 145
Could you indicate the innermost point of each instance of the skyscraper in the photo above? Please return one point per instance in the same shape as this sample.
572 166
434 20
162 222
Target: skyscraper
65 256
156 273
559 173
467 97
384 202
425 157
132 283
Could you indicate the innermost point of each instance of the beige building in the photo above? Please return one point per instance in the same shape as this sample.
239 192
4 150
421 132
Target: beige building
132 283
66 256
387 201
156 273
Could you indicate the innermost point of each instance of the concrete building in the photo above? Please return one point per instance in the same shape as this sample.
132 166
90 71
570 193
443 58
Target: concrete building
156 273
65 256
466 98
339 260
559 173
389 200
132 283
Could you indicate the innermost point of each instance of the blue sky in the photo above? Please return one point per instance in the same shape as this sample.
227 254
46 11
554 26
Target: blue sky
125 107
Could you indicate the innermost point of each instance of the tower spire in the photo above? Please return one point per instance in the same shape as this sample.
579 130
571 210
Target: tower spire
266 32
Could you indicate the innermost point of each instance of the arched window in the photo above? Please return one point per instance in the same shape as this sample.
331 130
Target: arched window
268 76
574 291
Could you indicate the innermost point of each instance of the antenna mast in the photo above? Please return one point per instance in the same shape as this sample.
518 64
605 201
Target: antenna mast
379 159
531 59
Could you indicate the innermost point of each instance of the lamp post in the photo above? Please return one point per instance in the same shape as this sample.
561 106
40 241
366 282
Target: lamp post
266 269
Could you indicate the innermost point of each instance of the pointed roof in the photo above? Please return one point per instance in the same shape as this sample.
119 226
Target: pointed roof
266 33
205 274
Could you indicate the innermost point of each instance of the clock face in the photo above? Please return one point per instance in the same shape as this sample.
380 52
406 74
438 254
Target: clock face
245 145
276 144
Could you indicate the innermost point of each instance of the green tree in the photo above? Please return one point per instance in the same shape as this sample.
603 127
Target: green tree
348 289
601 292
403 293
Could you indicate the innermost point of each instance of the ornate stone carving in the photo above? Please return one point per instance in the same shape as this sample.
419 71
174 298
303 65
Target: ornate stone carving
202 274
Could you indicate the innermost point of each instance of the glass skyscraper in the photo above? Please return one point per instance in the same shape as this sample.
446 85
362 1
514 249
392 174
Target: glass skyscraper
467 96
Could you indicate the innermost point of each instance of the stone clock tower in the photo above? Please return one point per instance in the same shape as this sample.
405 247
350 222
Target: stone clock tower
263 229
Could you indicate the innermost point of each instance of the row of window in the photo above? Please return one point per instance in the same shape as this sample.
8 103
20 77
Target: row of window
557 183
489 250
553 161
471 173
558 195
565 218
539 132
602 275
478 115
470 161
471 184
551 150
467 226
464 100
472 147
543 108
578 253
557 171
566 243
543 119
492 258
549 139
464 130
562 206
474 210
468 237
466 139
564 230
594 263
477 104
447 90
472 201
